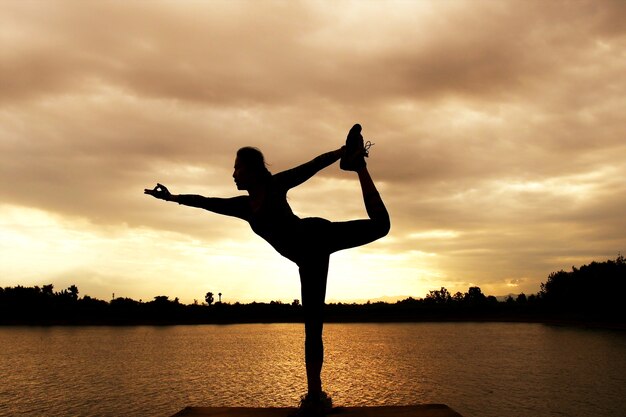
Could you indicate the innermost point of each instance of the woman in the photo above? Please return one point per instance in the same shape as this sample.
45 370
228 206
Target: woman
308 242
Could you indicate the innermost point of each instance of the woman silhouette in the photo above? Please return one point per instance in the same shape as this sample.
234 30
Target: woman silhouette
308 242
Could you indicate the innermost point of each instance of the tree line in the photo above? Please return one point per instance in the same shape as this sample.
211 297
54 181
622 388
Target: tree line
591 293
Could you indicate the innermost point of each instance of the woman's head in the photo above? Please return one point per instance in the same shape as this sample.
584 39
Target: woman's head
250 168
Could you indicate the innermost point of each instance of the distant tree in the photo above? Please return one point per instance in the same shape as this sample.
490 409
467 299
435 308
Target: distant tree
123 302
209 298
491 300
47 290
521 299
161 299
595 289
295 303
441 296
406 301
475 296
73 291
458 297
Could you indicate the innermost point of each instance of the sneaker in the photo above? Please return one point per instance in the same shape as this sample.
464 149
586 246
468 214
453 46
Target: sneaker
356 151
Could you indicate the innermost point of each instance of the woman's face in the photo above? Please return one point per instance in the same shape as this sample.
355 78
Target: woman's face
241 175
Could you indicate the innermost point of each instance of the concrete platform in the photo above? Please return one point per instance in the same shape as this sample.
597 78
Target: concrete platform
421 410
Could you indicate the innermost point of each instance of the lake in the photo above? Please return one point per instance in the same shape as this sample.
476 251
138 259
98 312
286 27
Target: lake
478 369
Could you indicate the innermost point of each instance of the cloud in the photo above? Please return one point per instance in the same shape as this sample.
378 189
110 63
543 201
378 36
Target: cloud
498 122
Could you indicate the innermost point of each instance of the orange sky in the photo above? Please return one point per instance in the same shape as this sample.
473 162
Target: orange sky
499 131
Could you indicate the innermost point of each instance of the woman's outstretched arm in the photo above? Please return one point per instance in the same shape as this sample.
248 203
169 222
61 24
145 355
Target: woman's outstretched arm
296 176
235 206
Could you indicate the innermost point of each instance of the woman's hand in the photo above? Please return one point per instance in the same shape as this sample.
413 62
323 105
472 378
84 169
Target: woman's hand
160 191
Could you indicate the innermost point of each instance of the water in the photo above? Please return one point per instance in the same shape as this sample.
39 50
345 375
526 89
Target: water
478 369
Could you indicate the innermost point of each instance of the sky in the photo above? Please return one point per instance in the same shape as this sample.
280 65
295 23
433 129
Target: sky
498 127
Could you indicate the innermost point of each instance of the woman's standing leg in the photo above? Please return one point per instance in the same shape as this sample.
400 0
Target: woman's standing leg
313 278
314 269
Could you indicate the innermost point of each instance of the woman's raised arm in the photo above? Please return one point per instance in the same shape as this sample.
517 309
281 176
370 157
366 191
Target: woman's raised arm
296 176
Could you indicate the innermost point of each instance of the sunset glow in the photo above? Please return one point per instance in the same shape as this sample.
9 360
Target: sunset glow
498 129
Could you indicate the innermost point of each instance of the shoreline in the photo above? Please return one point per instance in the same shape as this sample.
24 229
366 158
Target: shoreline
550 321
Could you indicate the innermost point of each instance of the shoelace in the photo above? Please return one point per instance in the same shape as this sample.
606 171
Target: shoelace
366 147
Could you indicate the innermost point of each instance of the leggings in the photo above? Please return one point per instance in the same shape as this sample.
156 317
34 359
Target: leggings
321 238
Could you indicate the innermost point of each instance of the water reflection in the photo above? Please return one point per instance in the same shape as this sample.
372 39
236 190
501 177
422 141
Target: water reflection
477 369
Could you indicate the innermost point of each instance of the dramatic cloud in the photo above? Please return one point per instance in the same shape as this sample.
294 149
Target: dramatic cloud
498 131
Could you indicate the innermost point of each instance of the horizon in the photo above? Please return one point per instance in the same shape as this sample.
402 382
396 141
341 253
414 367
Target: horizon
381 298
498 131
